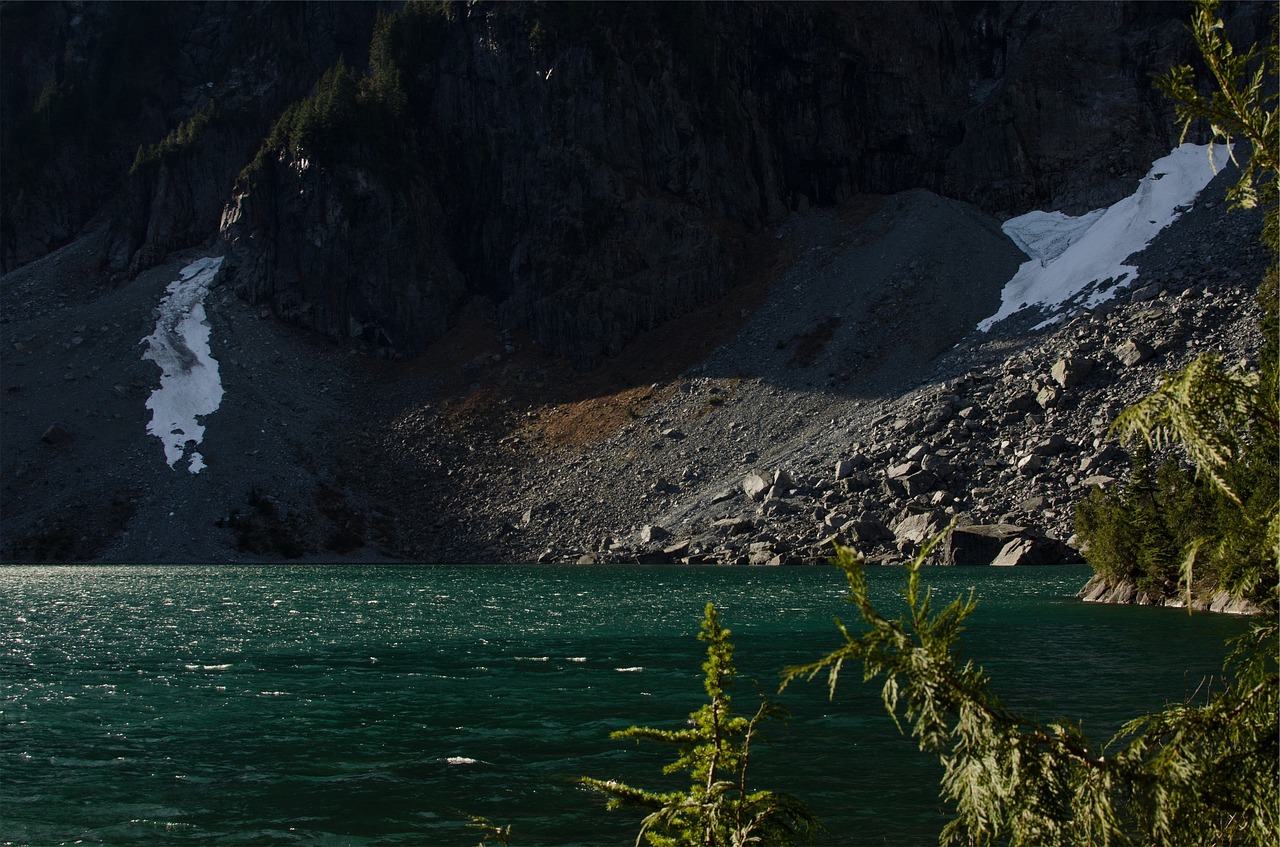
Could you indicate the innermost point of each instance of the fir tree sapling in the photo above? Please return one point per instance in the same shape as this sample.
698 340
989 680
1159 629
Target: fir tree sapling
718 809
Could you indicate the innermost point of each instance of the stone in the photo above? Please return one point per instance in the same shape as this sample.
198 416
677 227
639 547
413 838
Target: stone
650 534
866 531
1048 397
777 508
1050 446
844 469
1024 401
1031 550
677 550
534 514
919 527
1094 589
835 520
920 482
903 470
58 435
754 486
937 466
1070 370
976 544
734 526
1145 293
1133 352
1029 465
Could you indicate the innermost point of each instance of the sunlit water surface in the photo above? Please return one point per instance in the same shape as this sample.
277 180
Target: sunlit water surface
384 705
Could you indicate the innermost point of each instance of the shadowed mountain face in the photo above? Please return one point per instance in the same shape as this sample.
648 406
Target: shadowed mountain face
570 282
592 169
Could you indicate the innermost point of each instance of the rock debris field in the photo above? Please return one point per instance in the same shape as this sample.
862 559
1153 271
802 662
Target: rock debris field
847 395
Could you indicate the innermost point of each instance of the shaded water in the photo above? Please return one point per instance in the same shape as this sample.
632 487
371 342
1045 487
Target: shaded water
382 705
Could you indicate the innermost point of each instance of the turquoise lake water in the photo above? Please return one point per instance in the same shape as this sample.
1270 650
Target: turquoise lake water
383 705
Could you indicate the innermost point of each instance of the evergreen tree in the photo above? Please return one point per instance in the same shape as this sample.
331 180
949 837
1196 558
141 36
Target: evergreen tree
1225 419
1191 775
718 809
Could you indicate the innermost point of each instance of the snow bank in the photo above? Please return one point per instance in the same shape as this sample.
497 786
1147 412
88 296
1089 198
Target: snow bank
190 386
1074 258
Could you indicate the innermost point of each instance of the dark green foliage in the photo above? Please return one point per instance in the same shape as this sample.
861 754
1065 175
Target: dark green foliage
1220 522
1140 532
718 809
405 44
182 139
1241 107
350 118
1191 775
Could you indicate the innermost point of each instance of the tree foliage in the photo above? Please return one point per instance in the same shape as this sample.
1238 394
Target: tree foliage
718 809
1191 775
1224 418
1241 106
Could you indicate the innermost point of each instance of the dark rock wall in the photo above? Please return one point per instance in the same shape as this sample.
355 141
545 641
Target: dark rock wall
86 84
591 168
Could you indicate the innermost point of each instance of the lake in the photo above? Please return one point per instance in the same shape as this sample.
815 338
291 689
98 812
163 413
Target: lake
356 705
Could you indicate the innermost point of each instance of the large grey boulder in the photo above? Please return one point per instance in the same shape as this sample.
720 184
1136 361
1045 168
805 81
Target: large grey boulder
976 544
918 527
754 486
1030 550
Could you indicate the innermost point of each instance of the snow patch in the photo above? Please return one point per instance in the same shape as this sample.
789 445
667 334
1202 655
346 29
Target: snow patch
1078 262
190 386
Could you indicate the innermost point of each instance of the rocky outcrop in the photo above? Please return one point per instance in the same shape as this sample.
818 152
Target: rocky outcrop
1099 589
593 170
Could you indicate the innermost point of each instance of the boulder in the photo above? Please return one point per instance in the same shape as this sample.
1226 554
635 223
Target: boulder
1029 465
977 544
918 483
1133 352
903 470
1048 397
1030 550
919 527
1070 370
734 526
754 486
866 532
1050 446
58 435
650 534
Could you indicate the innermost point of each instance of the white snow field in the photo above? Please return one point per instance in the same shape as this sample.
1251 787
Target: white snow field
1074 258
190 386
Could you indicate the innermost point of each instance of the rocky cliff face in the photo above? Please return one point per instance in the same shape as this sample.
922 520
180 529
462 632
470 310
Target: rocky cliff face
87 85
592 169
